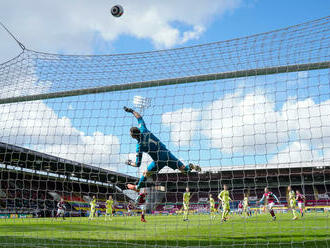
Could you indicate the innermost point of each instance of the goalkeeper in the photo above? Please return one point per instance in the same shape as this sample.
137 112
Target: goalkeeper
161 156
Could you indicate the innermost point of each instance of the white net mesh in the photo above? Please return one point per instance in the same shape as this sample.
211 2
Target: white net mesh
253 112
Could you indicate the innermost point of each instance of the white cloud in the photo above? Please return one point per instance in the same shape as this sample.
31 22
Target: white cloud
35 125
183 124
247 125
193 34
71 26
326 153
251 125
295 153
310 120
14 84
98 149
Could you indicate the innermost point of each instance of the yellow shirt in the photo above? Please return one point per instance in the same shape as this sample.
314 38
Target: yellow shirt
186 197
93 203
224 196
292 199
246 201
292 196
109 203
212 203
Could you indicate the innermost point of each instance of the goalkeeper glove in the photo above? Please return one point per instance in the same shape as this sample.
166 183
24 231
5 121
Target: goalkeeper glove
128 110
128 162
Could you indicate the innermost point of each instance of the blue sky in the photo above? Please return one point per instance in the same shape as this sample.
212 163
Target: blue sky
94 129
250 18
103 113
83 27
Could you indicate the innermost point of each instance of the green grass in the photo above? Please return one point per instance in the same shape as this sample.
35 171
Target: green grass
168 231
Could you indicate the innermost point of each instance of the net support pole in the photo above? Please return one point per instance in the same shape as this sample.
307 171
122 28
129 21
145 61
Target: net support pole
165 82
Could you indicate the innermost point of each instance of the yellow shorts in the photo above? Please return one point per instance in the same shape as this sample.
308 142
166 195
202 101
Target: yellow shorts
292 204
225 206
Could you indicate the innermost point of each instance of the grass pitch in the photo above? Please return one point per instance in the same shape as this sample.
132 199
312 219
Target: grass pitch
168 231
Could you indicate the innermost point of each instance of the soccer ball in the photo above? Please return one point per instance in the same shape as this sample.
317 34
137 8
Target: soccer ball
117 11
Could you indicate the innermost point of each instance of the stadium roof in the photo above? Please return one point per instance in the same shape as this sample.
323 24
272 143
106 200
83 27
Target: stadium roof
29 159
314 164
313 173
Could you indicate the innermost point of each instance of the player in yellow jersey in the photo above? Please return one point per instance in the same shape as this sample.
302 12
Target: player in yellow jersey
93 208
224 198
292 202
213 210
186 199
246 207
108 206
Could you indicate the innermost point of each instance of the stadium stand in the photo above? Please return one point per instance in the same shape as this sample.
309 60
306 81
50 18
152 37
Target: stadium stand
312 179
31 183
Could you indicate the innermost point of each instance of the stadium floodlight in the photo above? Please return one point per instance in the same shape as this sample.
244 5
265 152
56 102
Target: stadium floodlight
141 103
252 112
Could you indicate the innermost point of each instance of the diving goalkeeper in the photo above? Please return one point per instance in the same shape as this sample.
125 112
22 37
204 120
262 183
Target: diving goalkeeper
161 156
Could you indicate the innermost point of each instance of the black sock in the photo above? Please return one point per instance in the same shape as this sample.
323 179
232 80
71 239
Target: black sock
272 213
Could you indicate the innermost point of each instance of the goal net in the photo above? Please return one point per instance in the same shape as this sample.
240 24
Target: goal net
253 112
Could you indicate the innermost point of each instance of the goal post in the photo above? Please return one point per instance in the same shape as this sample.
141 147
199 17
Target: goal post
253 112
165 82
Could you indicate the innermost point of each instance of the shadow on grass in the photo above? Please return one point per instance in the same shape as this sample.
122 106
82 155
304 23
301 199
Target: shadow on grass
51 227
9 241
270 237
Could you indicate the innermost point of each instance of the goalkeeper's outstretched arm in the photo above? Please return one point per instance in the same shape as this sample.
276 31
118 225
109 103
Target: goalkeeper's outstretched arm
136 114
139 118
135 133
